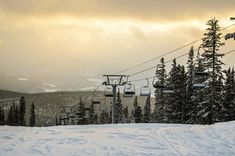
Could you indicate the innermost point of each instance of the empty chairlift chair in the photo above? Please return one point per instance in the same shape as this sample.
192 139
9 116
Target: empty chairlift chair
129 90
156 83
201 77
145 90
95 99
160 87
108 92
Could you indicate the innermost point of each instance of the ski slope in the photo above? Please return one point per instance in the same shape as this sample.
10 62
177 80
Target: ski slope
120 139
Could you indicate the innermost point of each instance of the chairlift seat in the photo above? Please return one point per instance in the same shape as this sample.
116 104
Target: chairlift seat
168 91
145 91
95 102
108 94
201 73
158 86
199 85
129 90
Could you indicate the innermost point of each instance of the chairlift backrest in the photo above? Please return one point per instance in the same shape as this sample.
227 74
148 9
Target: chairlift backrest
167 91
95 99
145 91
129 90
108 92
201 73
199 85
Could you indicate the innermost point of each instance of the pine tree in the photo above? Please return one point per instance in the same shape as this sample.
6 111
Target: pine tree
32 119
228 110
126 115
22 112
15 115
119 114
81 112
212 61
138 114
147 111
199 97
2 116
176 101
10 117
135 104
93 116
189 108
160 98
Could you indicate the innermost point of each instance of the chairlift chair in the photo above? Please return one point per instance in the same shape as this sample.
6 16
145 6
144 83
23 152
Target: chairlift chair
168 91
145 90
95 99
129 90
108 92
72 116
156 83
87 113
201 84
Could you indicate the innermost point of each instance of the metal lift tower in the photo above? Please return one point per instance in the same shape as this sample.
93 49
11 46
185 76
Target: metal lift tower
114 81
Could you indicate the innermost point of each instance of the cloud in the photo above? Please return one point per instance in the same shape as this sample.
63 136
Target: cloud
87 89
22 79
144 10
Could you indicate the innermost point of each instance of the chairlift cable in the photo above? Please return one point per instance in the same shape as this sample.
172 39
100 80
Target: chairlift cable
169 52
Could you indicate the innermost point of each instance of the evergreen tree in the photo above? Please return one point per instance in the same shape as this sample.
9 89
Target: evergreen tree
126 115
104 117
81 112
2 116
228 110
32 119
189 108
198 110
212 61
22 112
138 114
176 101
135 104
119 114
10 117
147 111
160 98
15 115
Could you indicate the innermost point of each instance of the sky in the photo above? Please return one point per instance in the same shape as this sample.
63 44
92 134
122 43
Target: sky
51 45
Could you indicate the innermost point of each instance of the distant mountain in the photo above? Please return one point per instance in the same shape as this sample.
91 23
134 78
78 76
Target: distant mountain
49 105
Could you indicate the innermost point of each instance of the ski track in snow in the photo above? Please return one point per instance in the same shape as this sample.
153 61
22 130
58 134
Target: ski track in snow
119 140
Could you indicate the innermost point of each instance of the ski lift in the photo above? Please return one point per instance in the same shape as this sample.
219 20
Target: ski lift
156 83
145 90
160 87
169 89
87 113
72 116
129 90
108 92
199 74
95 99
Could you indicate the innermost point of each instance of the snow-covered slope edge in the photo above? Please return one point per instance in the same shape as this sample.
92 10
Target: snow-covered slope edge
120 139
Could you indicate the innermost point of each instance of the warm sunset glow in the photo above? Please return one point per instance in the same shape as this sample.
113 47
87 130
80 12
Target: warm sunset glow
66 43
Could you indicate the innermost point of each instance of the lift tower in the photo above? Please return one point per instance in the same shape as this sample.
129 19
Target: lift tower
114 81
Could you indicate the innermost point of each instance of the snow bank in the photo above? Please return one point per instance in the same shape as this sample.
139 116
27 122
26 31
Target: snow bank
120 139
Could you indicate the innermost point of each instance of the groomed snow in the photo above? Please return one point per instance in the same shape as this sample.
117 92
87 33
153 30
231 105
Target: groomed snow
120 139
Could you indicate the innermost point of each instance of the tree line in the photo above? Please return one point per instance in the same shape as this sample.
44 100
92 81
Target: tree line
203 99
16 115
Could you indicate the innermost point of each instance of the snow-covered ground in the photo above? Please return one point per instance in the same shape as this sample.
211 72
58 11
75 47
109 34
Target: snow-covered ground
120 139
